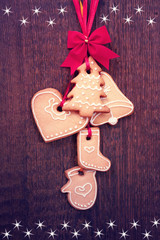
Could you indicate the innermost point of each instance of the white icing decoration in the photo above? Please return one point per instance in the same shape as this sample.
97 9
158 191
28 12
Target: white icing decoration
88 87
112 120
66 186
109 104
80 189
107 89
89 149
56 135
90 76
55 115
84 204
94 133
90 104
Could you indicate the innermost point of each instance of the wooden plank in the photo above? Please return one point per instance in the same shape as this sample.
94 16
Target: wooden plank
32 172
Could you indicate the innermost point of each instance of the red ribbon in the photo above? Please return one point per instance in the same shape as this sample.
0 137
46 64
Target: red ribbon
82 43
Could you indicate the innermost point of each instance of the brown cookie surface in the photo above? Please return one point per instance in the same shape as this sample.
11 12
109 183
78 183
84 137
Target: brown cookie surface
120 106
85 97
52 123
88 150
81 188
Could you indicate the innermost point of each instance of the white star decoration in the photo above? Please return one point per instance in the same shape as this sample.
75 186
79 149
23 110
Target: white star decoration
65 225
52 233
6 234
36 11
155 223
7 11
75 233
128 19
151 21
111 224
147 234
124 234
51 22
104 18
135 224
17 225
139 10
23 21
62 10
40 224
114 9
86 225
28 233
98 233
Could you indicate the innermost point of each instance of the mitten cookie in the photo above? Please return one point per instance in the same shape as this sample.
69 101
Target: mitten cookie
89 155
120 106
81 188
52 123
85 96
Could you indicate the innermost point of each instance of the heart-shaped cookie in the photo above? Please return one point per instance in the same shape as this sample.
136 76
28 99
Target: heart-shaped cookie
54 124
120 106
83 190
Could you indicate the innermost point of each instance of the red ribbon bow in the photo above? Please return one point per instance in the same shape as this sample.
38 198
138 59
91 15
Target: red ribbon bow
93 45
82 43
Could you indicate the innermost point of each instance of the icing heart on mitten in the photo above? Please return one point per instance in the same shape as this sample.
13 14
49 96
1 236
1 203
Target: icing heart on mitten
120 106
81 188
89 155
54 124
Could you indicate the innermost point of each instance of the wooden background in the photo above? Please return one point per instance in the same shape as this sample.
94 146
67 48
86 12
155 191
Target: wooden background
31 171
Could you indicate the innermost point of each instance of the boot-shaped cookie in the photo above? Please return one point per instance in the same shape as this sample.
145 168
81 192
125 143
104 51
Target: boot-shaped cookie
89 155
81 188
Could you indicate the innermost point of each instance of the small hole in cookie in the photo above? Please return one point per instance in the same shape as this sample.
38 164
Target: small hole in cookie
80 172
76 73
88 138
88 71
59 109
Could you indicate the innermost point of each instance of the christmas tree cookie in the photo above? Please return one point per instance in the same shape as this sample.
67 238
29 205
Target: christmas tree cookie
85 97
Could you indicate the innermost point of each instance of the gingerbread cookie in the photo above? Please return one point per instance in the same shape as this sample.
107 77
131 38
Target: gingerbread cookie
54 124
81 188
85 96
89 155
120 106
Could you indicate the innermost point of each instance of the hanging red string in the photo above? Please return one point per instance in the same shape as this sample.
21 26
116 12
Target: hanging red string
66 93
89 132
81 43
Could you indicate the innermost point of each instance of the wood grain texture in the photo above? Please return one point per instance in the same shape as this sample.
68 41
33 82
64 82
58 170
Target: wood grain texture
32 172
